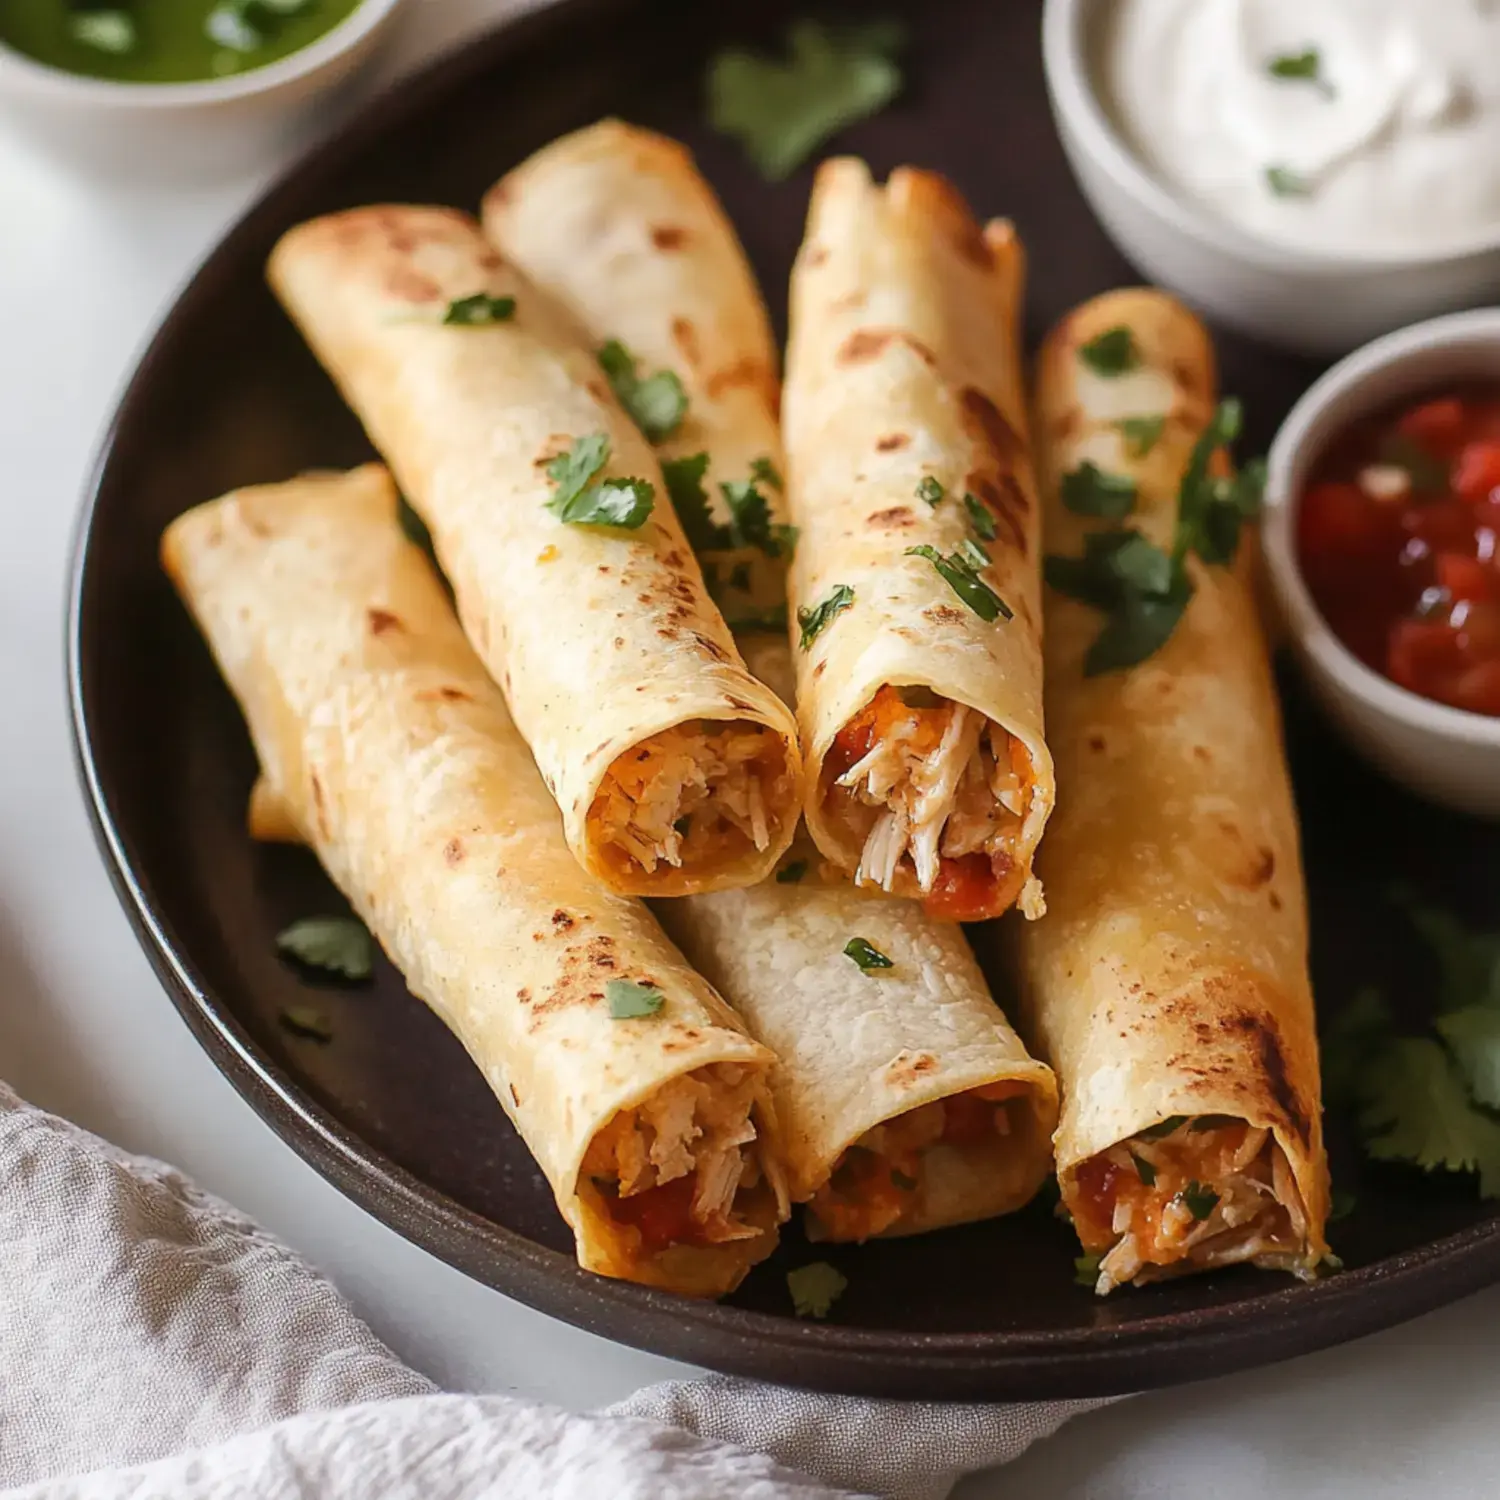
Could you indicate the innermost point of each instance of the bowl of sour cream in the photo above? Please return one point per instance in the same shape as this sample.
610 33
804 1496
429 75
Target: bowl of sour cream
1313 172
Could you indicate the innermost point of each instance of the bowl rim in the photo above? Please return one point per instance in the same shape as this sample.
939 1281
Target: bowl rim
1349 676
24 75
1076 102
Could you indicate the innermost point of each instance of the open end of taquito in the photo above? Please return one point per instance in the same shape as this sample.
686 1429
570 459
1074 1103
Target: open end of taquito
1168 983
386 747
675 770
905 423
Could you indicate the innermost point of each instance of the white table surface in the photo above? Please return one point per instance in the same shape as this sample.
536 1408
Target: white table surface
85 1029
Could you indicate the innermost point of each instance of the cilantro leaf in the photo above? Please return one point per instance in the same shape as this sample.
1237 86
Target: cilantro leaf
581 500
960 571
684 480
1286 183
1341 1205
979 517
1469 962
866 956
765 471
305 1021
1350 1042
790 874
815 1288
781 111
629 1001
1417 1110
1295 64
656 404
1199 1201
1144 1169
1086 1270
1162 1128
479 311
1139 628
750 523
1141 434
1211 508
340 945
816 620
1473 1037
1112 352
931 489
1090 491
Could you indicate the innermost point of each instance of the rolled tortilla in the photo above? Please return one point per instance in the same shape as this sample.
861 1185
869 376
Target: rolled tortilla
905 1099
1168 982
676 770
926 772
386 747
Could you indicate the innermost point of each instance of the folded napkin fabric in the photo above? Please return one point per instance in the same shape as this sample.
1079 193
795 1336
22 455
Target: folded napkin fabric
154 1341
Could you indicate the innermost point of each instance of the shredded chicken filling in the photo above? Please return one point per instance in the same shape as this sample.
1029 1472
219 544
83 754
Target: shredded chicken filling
1208 1192
691 793
878 1180
926 782
675 1165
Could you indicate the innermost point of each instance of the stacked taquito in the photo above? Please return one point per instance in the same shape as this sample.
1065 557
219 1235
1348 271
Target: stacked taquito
1168 981
916 580
676 770
905 1099
390 750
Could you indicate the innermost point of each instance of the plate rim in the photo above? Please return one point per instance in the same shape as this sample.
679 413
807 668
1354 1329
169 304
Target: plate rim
1148 1352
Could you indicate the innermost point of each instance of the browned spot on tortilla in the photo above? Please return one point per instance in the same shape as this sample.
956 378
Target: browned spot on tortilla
1201 752
453 851
944 614
556 445
523 995
515 1098
990 423
739 703
619 642
1275 902
561 921
597 389
492 260
685 336
1096 743
318 804
894 517
411 286
1187 375
1006 501
1265 866
907 1066
747 372
817 671
1273 1063
815 255
849 301
863 344
673 559
713 648
668 236
892 441
447 694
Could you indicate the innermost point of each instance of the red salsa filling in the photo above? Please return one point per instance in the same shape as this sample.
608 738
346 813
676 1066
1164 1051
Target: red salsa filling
1397 537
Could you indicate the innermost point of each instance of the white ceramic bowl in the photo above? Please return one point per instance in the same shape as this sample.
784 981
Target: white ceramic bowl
1443 753
166 130
1314 303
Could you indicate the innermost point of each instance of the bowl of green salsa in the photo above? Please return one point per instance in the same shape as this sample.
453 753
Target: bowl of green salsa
172 83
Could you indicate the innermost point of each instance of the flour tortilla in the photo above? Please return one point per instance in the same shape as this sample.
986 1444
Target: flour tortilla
603 639
904 366
385 746
1169 976
617 224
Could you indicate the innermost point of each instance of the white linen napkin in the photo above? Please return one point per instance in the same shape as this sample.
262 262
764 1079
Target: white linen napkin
154 1341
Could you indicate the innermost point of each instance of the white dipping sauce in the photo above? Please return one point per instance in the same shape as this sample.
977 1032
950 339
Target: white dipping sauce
1386 140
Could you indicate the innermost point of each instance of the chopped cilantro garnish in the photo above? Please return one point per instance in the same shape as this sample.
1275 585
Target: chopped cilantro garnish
1144 1169
765 471
1286 183
1304 67
960 571
581 499
815 1288
1112 352
684 481
866 956
930 489
750 523
1090 491
305 1021
979 517
1141 434
1164 1128
656 404
1086 1270
340 945
1199 1201
781 111
479 310
1341 1205
792 872
628 1000
816 620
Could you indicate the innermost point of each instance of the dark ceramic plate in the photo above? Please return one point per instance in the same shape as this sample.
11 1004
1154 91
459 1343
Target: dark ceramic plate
391 1110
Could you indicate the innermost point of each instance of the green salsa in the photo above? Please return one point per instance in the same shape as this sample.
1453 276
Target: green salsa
165 41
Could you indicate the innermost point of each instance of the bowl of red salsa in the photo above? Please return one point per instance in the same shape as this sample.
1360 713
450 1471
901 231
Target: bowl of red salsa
1382 539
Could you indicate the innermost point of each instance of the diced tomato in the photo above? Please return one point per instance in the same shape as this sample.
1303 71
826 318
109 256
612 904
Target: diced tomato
1445 525
967 1120
1423 654
965 890
1336 518
663 1214
1478 689
1479 628
1439 425
1466 577
1476 472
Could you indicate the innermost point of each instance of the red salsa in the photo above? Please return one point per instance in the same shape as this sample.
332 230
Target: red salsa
1397 536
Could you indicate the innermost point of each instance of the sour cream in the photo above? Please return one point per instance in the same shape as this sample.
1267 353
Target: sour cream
1363 126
